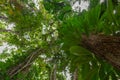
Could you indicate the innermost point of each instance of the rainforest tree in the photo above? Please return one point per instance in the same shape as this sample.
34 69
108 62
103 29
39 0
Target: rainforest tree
51 40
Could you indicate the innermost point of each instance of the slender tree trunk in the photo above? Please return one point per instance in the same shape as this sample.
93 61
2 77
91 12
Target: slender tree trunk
75 74
53 72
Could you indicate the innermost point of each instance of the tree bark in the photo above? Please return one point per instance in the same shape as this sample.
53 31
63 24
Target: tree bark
106 47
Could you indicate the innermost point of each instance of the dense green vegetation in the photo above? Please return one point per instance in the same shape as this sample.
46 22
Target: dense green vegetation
44 40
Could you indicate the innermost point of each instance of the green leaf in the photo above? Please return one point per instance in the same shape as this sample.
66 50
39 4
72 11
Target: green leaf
113 76
102 73
91 75
78 50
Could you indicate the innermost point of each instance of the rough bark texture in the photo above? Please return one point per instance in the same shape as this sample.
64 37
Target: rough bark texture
106 47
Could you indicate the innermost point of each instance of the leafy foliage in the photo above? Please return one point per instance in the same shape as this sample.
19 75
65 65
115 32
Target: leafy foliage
54 28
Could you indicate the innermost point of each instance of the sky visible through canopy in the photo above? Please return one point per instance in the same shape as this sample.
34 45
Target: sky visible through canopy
83 6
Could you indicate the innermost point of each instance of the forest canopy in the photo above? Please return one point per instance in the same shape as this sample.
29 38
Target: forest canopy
59 40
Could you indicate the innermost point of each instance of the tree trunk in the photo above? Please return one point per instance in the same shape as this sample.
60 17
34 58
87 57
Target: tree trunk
106 47
53 72
75 74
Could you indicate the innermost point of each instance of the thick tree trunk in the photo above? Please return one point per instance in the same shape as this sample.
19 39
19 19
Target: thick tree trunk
106 47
